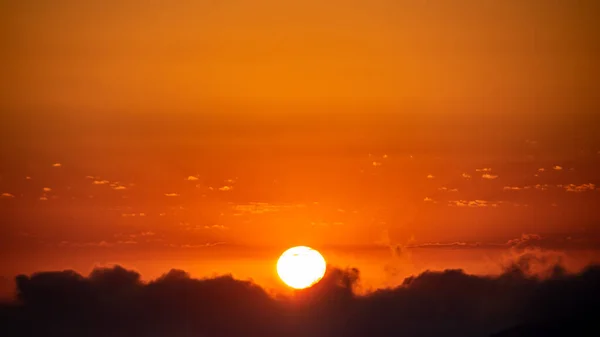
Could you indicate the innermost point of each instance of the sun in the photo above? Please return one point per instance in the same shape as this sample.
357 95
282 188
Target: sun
301 267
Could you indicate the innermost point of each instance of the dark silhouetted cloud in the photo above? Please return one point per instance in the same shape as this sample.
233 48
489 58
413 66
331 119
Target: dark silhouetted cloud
115 302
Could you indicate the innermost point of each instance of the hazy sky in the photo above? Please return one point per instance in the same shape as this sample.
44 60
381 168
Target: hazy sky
159 54
162 133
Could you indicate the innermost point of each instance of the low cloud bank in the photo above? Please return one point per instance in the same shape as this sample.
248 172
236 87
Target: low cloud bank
115 302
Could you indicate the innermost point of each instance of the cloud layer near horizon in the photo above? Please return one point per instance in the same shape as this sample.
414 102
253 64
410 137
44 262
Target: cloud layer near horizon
115 302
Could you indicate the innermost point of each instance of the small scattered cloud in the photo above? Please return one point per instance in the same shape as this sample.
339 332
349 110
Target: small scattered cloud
377 163
103 244
263 207
86 244
557 168
7 195
541 169
466 175
471 203
147 233
43 198
192 178
489 176
579 188
456 244
531 142
485 169
524 240
27 178
171 194
46 189
128 242
445 189
428 199
117 186
430 176
226 188
217 227
57 165
199 245
512 188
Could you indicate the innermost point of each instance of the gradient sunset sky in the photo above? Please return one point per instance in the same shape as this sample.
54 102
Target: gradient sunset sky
394 136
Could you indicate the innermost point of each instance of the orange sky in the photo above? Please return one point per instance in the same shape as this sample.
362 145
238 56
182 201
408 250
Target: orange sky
149 54
212 135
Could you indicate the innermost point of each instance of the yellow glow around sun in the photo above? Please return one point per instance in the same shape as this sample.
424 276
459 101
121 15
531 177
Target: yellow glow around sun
301 267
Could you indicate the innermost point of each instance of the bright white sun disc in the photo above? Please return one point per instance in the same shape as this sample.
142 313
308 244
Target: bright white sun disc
301 267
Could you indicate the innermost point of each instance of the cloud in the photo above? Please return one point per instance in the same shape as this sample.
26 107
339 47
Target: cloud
7 195
447 189
457 244
428 199
579 188
472 203
171 194
117 302
263 207
377 163
117 186
466 175
57 165
557 168
541 169
226 188
128 242
525 239
531 143
485 169
512 188
489 176
46 189
430 176
197 245
43 198
218 227
103 244
85 244
191 178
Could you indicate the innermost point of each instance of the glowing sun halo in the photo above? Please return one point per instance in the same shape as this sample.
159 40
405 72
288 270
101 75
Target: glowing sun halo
301 267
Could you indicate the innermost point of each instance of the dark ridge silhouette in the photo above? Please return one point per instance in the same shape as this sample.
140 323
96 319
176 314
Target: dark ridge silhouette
115 302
